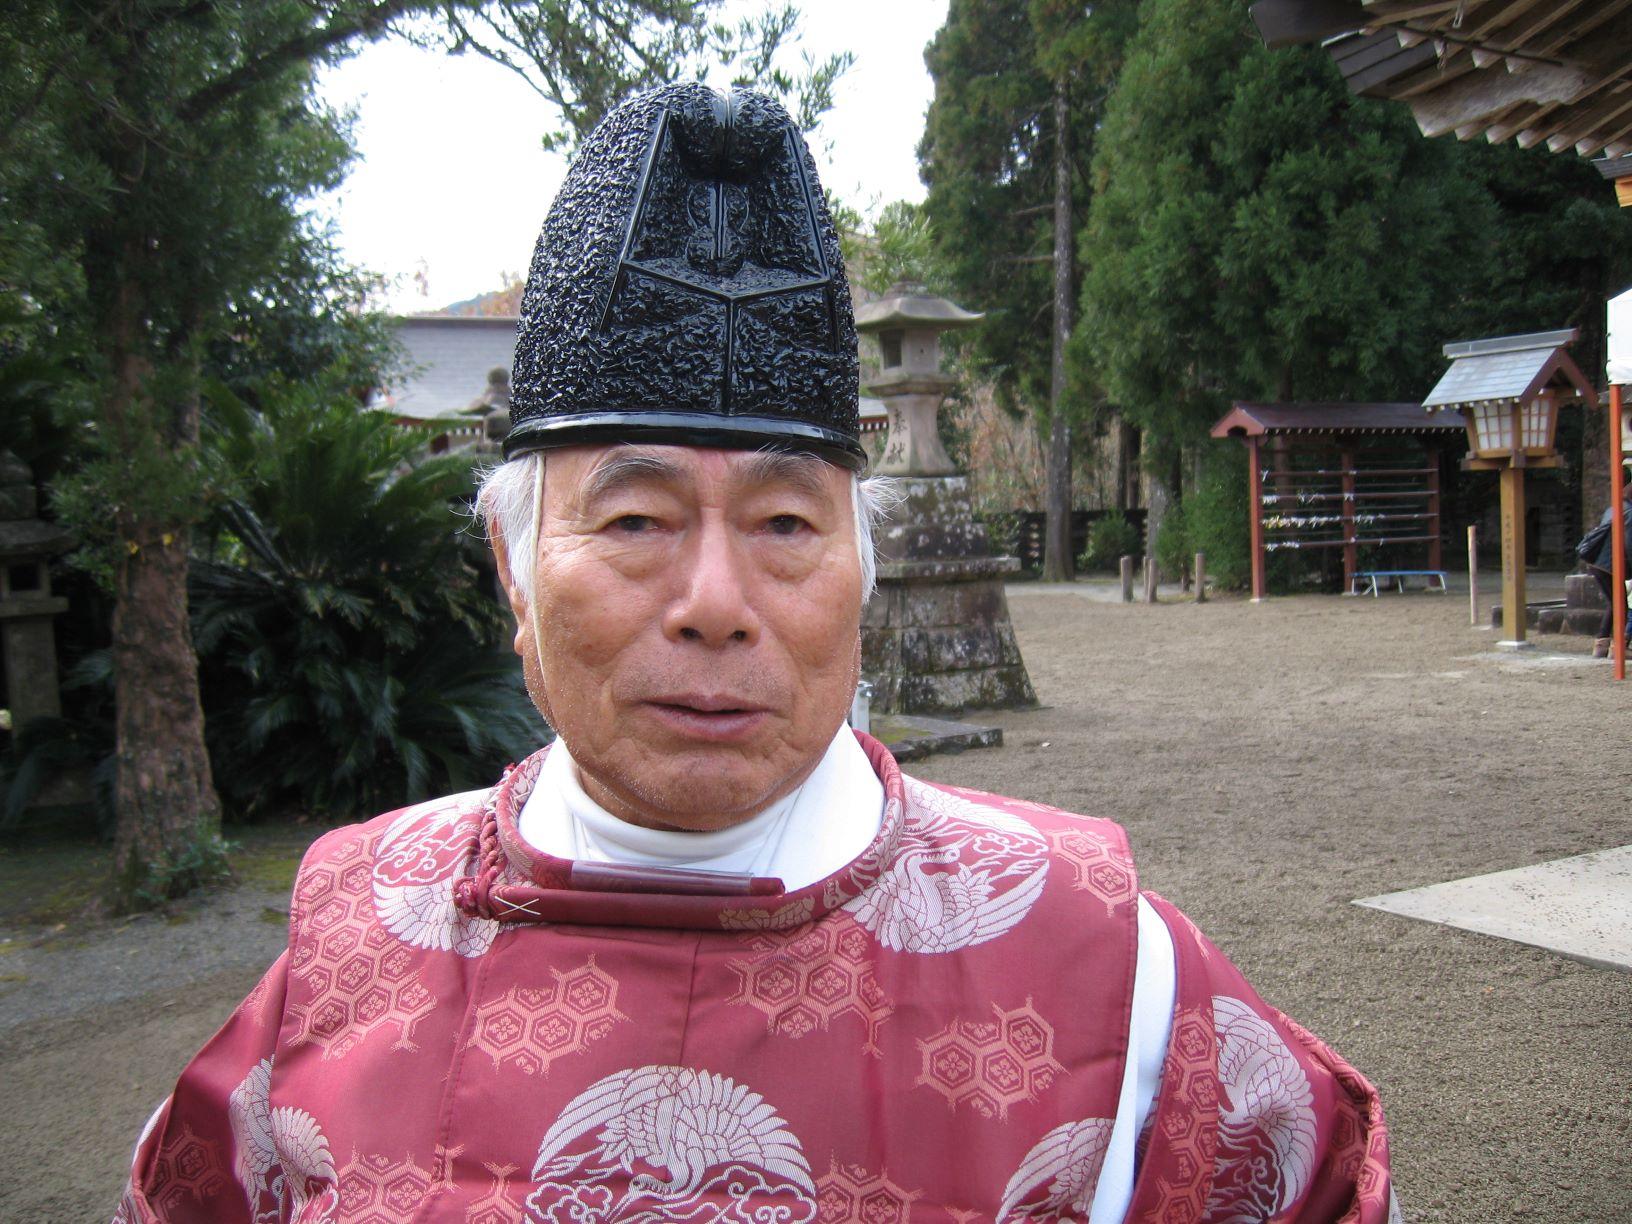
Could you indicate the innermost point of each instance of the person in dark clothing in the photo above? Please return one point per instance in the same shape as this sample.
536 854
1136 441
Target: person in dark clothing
1599 567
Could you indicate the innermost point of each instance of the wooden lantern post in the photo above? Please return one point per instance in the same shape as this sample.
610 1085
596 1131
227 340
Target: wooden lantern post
1508 390
1513 539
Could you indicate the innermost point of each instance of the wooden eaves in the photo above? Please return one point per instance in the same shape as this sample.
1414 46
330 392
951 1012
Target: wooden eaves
1553 72
1245 420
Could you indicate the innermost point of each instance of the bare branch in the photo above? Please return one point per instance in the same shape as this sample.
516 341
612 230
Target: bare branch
371 22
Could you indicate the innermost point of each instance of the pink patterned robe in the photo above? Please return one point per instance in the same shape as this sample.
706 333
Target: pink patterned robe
936 1032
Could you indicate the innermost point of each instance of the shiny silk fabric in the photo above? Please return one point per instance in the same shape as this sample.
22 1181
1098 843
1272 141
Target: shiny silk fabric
935 1033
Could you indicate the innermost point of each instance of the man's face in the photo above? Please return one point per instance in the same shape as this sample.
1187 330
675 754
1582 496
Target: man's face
698 620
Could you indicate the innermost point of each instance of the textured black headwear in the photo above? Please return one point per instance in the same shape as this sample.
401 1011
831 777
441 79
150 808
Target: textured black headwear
688 288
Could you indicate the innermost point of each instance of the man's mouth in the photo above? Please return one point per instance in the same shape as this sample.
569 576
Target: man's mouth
718 717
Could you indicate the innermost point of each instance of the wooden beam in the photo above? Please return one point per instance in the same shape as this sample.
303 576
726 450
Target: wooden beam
1600 15
1523 115
1513 550
1618 136
1509 14
1527 35
1571 124
1441 70
1588 128
1390 75
1623 192
1471 464
1490 93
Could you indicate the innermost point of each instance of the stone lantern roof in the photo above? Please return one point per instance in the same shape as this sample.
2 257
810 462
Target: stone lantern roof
31 539
908 304
23 535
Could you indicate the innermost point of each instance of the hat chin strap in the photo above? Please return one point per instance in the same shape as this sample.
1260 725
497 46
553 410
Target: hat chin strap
532 598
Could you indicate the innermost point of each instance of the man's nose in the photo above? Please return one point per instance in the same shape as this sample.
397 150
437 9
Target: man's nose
712 604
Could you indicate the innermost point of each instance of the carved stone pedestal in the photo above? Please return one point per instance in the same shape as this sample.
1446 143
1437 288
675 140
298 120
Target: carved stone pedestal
936 637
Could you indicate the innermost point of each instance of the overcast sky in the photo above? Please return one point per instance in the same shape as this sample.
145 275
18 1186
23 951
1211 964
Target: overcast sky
450 181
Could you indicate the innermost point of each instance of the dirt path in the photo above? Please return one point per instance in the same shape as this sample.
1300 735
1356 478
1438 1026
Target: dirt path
1271 763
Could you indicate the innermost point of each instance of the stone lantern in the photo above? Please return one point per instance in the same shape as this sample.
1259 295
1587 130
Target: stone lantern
936 637
26 604
908 324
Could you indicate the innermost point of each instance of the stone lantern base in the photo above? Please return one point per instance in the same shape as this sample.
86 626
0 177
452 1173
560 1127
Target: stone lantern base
936 637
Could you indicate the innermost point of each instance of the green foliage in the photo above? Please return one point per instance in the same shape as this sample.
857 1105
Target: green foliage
153 170
583 57
1174 548
984 157
901 247
1109 540
194 862
987 157
349 661
1216 518
1257 232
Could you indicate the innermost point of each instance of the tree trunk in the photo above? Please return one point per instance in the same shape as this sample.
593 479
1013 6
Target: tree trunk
1126 470
168 836
169 818
1057 558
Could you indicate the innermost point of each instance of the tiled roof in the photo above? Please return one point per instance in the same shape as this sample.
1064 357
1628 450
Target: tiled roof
1504 368
1259 420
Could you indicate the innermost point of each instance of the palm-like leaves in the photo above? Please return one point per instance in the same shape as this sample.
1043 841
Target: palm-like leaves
348 659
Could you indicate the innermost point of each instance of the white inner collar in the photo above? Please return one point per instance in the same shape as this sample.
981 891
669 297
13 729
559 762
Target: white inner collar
822 825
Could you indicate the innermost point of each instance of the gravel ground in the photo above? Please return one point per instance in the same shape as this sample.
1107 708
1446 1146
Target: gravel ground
1272 763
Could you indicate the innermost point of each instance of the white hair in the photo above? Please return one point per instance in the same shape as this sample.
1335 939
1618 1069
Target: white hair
507 497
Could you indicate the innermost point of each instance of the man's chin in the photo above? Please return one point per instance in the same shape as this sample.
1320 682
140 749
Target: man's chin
707 787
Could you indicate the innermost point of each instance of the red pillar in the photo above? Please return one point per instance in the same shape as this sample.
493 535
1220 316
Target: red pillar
1617 536
1435 556
1255 494
1351 551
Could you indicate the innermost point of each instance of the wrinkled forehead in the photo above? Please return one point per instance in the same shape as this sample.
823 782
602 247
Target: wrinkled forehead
583 474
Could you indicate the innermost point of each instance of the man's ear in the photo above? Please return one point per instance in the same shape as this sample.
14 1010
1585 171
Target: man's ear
512 591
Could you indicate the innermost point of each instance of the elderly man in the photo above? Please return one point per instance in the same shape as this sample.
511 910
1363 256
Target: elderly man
712 956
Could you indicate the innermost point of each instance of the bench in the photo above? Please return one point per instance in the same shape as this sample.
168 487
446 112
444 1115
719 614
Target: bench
1365 582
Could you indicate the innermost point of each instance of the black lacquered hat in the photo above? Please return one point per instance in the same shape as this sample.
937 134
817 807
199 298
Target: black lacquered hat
688 289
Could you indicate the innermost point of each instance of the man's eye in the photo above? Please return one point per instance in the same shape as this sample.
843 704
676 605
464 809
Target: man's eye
785 524
632 523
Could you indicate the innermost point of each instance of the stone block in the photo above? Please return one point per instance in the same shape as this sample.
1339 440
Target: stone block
950 648
880 652
1583 591
937 638
880 611
954 603
950 692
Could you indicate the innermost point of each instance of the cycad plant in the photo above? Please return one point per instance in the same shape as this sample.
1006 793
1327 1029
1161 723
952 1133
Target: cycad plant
348 659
